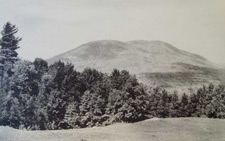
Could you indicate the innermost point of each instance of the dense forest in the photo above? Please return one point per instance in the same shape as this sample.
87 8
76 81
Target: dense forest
39 96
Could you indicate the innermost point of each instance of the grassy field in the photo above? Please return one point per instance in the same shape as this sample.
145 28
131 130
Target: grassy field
188 80
176 129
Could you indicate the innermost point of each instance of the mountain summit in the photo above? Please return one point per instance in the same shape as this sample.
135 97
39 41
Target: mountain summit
153 62
136 56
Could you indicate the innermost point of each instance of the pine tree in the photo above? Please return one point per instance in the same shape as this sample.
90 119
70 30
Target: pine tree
154 102
184 106
194 102
8 56
164 109
175 105
9 45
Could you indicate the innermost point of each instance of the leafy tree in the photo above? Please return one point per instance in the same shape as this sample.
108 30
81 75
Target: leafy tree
115 101
129 104
91 78
72 115
19 104
41 66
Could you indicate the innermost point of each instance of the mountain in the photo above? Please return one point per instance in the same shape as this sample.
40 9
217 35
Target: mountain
153 62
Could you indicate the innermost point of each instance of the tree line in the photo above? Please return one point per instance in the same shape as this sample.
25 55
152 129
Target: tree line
38 96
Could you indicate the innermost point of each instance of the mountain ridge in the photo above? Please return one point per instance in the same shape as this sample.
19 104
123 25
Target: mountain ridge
144 59
110 49
169 45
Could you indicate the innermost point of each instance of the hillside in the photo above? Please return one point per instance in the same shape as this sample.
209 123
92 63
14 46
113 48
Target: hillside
176 129
153 62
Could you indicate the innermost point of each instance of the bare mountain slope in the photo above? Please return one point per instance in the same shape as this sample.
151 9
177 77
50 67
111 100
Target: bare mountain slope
135 56
154 62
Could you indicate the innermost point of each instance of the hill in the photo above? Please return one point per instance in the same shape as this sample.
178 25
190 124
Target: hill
153 62
176 129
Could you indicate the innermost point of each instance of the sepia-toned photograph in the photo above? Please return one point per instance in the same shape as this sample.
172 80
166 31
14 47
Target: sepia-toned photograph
112 70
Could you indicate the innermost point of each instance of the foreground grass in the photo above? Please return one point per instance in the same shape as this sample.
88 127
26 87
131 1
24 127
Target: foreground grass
173 129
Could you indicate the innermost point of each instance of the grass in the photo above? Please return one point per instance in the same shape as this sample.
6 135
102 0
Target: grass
176 129
189 77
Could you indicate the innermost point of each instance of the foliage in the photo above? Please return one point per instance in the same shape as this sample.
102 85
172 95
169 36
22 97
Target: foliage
38 96
58 97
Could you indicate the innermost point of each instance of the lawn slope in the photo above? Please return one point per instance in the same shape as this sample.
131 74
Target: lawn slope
176 129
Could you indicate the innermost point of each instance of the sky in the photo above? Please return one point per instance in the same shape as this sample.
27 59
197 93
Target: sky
51 27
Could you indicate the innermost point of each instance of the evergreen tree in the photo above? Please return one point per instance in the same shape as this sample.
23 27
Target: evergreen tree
9 44
175 105
165 107
184 106
154 102
114 77
201 97
194 102
8 55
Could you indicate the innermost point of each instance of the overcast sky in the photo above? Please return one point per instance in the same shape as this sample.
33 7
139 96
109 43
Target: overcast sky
50 27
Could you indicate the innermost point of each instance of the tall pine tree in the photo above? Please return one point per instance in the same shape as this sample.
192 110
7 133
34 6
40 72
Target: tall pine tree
8 55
